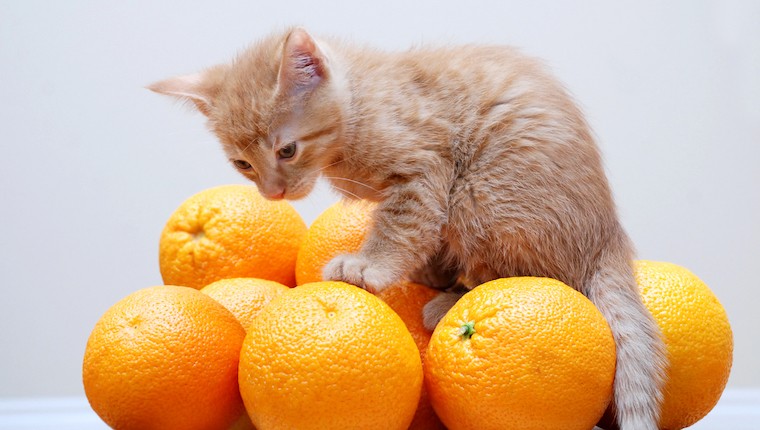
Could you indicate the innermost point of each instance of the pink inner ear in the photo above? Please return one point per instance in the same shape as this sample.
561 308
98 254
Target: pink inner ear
303 65
308 66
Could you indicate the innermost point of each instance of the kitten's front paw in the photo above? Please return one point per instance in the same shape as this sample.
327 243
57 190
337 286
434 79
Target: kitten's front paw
357 270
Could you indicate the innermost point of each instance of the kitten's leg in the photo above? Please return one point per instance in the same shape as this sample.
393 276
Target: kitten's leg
641 354
436 309
406 229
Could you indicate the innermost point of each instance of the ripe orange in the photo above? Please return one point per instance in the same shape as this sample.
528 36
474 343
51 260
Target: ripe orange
329 355
521 353
165 358
407 299
230 232
698 337
244 297
340 229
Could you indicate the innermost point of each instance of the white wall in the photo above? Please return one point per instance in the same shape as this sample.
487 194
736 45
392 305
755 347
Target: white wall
92 164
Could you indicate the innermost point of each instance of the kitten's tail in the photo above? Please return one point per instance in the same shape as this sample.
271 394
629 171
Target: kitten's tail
641 355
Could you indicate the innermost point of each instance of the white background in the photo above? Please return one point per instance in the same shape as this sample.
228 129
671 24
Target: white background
92 164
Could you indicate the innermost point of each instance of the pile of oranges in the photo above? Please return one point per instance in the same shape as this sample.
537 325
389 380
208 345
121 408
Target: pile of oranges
245 334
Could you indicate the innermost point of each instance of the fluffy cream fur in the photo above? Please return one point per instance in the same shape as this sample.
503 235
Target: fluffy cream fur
482 165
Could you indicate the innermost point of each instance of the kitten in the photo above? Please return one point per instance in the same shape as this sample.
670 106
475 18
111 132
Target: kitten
481 164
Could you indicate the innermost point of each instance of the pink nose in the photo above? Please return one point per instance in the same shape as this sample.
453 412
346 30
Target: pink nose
275 193
273 189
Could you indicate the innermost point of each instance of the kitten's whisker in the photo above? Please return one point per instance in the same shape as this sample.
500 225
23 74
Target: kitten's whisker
248 146
338 162
331 164
352 181
347 192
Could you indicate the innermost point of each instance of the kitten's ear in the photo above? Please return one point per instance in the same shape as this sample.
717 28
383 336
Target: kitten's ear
194 88
303 64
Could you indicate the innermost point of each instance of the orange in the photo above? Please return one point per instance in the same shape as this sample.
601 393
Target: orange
329 355
230 232
521 353
698 338
244 297
407 299
165 358
340 229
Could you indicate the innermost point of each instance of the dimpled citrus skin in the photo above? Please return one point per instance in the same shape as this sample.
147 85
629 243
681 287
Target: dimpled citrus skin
541 357
244 297
698 338
340 229
407 299
165 358
329 355
230 231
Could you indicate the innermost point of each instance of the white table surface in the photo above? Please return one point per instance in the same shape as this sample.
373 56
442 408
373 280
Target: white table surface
738 409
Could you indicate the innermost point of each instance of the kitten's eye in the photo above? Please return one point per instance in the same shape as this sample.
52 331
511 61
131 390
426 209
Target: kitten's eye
287 151
242 164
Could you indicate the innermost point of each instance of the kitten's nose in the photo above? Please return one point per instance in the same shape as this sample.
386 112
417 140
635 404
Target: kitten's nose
273 188
274 193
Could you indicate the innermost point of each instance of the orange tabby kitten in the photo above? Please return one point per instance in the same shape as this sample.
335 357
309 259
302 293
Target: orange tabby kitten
482 165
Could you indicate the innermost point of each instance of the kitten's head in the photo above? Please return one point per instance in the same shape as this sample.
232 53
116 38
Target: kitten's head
277 110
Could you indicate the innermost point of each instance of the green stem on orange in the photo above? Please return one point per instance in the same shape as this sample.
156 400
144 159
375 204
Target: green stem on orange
467 330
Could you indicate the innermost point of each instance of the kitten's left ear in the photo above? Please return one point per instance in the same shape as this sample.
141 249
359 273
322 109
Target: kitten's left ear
198 88
303 64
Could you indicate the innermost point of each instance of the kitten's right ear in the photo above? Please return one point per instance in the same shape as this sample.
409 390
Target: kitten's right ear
303 64
193 88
